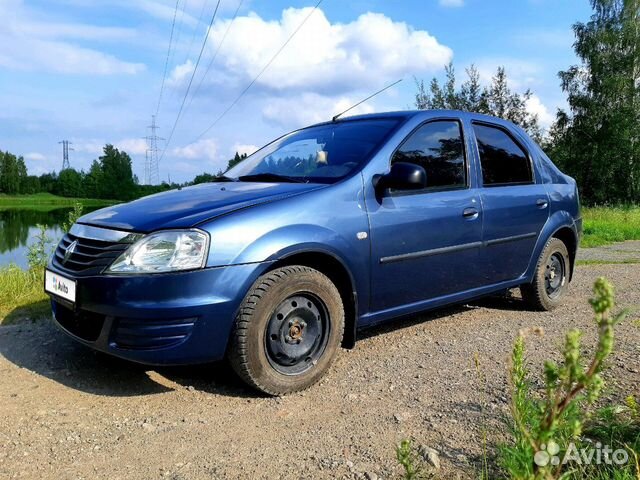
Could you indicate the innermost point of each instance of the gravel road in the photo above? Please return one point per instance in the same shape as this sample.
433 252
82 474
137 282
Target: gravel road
615 253
68 413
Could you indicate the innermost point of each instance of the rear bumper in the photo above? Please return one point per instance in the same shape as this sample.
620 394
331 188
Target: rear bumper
163 319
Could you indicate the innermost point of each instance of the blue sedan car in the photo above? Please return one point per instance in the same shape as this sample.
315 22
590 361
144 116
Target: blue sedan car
326 230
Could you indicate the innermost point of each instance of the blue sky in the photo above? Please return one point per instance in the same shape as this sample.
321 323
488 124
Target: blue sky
91 70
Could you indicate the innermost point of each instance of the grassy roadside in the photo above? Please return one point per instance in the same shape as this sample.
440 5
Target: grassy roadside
631 261
48 199
22 295
605 225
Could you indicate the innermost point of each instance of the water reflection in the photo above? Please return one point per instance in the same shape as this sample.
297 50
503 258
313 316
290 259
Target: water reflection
18 228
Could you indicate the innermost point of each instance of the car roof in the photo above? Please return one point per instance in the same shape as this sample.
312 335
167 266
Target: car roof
425 114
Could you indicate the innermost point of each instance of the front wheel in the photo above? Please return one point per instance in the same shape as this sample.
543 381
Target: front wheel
288 330
551 278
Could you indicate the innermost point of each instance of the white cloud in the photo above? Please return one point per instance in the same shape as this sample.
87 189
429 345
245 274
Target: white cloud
35 156
325 57
521 74
93 147
536 107
451 3
31 45
180 73
133 146
309 108
77 31
243 149
203 149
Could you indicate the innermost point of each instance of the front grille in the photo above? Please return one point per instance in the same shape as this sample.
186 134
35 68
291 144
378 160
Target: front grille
82 324
142 334
90 256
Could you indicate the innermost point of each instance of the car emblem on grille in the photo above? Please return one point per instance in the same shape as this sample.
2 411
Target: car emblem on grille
69 251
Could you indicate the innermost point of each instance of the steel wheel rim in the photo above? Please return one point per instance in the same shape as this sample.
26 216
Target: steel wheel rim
297 334
554 275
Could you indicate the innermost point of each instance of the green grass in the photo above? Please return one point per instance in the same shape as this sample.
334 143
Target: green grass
47 199
607 262
605 225
618 427
22 295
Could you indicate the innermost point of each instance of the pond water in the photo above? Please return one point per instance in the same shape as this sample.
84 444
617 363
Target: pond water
18 228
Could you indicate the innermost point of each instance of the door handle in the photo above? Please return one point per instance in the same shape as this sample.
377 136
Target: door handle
470 213
542 203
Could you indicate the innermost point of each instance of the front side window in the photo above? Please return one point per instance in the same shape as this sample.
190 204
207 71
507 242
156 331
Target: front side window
325 153
503 161
438 148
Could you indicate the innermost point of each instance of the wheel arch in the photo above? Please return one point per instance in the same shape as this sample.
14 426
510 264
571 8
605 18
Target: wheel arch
336 270
560 225
568 236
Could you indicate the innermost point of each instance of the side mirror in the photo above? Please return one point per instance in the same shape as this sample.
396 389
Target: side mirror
402 176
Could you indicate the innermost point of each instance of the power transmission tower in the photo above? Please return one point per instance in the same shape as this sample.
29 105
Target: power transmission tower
65 153
151 168
146 166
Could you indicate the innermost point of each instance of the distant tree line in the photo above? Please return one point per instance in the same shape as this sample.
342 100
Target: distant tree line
497 99
208 177
597 139
109 177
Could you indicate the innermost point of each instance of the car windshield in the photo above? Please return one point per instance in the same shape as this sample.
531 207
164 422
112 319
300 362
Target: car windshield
322 154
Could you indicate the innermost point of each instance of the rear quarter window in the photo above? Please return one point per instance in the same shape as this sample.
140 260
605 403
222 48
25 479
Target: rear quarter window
503 160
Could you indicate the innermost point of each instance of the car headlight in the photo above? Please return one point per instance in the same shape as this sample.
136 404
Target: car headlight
168 251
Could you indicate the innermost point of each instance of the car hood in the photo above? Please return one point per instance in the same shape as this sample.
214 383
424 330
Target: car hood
187 207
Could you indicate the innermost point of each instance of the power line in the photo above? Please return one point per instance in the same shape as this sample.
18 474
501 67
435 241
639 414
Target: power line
215 54
166 62
195 69
268 64
195 29
180 24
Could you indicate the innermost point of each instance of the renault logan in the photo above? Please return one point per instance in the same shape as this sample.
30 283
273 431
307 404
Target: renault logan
326 230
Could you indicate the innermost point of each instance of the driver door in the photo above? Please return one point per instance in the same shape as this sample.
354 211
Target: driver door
426 244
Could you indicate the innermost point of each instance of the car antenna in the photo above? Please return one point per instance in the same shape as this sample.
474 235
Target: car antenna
368 98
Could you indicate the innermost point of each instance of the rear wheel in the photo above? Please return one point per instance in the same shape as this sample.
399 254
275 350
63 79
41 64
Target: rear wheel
288 330
551 278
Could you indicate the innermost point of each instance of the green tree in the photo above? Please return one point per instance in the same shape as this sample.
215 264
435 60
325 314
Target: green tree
48 182
117 177
236 160
9 173
31 184
69 183
203 178
497 99
22 175
93 181
597 140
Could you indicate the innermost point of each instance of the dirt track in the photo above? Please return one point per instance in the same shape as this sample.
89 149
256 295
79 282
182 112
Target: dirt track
66 412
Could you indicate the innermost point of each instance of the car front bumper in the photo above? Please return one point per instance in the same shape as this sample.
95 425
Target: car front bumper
160 319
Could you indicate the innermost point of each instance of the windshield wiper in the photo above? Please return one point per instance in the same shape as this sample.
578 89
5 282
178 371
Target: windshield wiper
269 177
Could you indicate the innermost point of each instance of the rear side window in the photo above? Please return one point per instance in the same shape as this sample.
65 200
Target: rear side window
504 162
437 147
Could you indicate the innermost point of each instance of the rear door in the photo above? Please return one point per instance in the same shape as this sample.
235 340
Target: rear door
425 244
515 203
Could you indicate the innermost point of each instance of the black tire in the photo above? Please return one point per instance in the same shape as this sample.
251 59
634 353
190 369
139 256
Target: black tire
551 278
288 330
